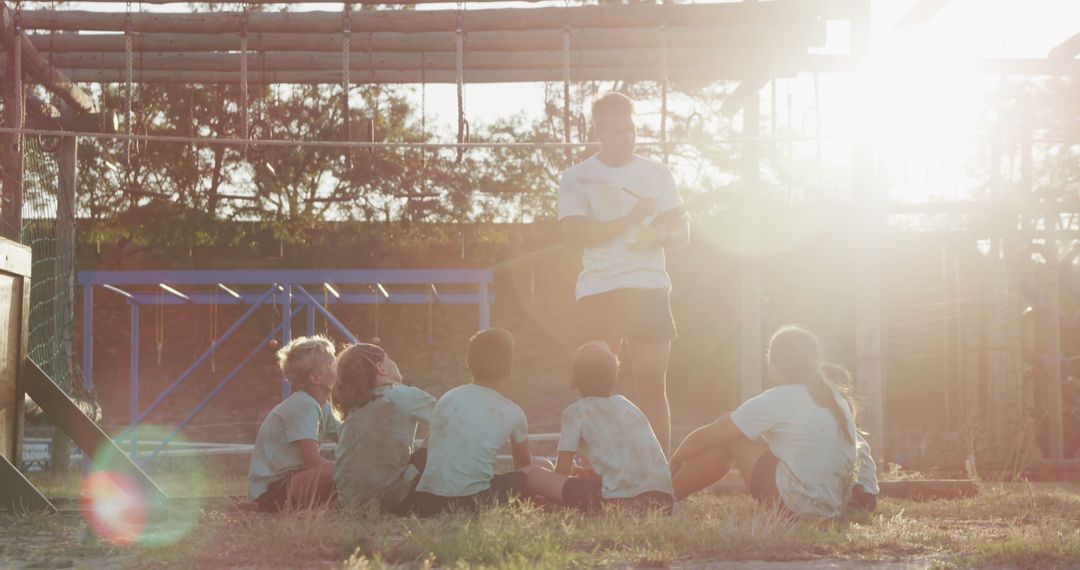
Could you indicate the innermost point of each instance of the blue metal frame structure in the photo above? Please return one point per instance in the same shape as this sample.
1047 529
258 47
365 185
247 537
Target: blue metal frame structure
285 288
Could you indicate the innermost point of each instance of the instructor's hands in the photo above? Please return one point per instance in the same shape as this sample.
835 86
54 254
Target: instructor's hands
643 208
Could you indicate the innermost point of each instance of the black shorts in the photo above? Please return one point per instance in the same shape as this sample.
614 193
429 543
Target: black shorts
418 459
585 493
631 314
277 493
504 487
763 480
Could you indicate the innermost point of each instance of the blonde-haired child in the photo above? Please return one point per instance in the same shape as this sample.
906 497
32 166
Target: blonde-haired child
286 468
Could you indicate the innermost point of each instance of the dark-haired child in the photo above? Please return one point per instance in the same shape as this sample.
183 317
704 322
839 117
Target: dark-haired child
614 436
469 425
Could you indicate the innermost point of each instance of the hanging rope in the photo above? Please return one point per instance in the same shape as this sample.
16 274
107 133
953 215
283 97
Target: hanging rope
159 325
664 83
128 76
245 131
566 78
20 101
460 49
423 121
346 77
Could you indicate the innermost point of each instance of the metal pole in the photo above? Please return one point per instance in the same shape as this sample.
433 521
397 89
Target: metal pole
286 335
485 307
134 379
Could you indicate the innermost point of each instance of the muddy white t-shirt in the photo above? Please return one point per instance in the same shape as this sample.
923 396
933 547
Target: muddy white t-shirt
375 444
602 193
276 451
817 463
468 427
616 438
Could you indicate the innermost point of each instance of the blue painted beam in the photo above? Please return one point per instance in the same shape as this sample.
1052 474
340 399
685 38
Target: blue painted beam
413 298
293 276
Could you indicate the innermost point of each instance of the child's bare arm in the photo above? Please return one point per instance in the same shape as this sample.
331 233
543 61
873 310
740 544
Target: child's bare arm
309 451
564 464
522 455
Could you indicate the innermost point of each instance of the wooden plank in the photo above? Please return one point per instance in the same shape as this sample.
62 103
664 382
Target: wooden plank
38 67
387 76
698 36
17 493
14 258
94 442
605 16
316 61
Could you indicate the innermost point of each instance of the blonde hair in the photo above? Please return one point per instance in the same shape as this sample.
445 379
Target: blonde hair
300 357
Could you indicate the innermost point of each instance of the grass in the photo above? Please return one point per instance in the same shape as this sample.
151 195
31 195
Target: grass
1008 525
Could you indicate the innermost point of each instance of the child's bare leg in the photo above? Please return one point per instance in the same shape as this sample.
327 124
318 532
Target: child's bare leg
746 454
545 483
314 486
700 472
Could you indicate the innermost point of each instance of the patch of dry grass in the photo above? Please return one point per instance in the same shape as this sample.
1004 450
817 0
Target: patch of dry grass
1016 525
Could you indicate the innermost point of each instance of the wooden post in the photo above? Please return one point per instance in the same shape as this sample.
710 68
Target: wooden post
12 156
750 333
64 309
869 365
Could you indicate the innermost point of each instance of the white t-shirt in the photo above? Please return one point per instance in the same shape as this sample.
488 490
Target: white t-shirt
602 193
817 464
468 427
375 444
619 443
276 453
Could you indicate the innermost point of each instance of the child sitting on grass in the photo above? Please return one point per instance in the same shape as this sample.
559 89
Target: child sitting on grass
380 415
616 439
469 426
286 468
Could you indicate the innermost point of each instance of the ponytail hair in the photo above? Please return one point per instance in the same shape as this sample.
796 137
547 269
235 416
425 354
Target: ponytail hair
795 358
358 369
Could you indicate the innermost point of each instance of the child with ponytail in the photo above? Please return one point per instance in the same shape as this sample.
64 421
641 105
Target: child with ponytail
380 415
796 445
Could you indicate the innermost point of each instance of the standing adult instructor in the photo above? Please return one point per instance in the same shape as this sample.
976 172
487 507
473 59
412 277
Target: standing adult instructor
624 210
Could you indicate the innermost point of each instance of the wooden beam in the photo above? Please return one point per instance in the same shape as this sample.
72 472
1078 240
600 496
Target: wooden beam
473 60
415 76
517 19
804 33
1067 49
38 67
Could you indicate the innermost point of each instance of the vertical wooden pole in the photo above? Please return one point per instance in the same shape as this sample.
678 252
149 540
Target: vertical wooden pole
11 154
869 364
750 333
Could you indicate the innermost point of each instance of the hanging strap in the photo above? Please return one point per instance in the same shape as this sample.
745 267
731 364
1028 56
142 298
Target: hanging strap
128 77
460 78
245 126
566 77
664 82
346 78
20 101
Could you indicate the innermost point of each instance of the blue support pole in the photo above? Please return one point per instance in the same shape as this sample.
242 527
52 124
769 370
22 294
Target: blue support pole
213 393
134 380
216 344
88 338
329 317
286 335
485 307
310 320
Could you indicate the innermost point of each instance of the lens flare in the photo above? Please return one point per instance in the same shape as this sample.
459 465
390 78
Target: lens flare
119 509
